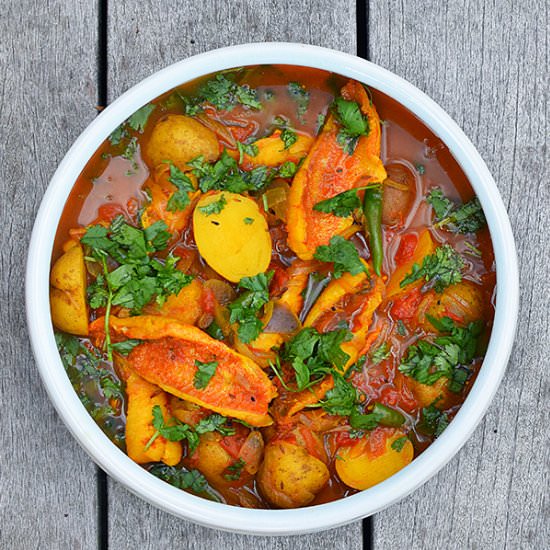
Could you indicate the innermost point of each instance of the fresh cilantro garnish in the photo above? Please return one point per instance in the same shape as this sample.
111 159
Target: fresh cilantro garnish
250 149
248 221
401 328
420 168
214 423
204 373
447 355
343 204
287 169
235 470
354 123
434 421
215 331
138 277
214 207
224 95
344 256
442 268
125 347
300 95
342 398
180 478
467 218
378 415
320 121
399 443
180 199
288 137
225 175
139 119
313 355
172 431
245 308
380 353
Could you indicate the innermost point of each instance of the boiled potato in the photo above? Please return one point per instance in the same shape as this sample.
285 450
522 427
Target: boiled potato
425 395
235 241
289 476
212 460
357 467
184 306
142 397
179 139
68 292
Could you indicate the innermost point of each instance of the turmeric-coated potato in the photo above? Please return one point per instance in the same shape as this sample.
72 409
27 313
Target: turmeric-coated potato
212 460
425 395
360 468
184 306
232 235
142 397
179 139
289 476
68 292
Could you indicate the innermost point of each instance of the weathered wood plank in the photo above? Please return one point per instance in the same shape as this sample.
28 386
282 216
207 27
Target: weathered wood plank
486 63
47 96
144 37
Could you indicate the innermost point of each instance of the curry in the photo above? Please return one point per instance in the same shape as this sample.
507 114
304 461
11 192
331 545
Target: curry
272 287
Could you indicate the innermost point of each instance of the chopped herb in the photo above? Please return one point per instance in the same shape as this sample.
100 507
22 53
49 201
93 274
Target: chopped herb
399 443
204 373
434 421
215 331
246 149
124 348
467 218
180 478
172 431
118 134
472 250
342 398
300 95
214 207
235 470
224 95
248 221
214 423
447 356
401 328
343 204
381 353
245 308
320 122
379 415
354 123
139 119
288 137
420 168
180 199
442 268
344 256
287 169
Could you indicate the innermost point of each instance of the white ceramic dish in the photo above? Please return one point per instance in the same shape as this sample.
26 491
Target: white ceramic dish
199 510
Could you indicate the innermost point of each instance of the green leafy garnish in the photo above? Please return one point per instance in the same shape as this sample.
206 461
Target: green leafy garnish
447 356
180 478
215 331
225 175
434 421
250 149
354 123
139 119
245 308
442 268
342 398
344 256
224 95
288 169
180 199
248 221
401 328
288 137
204 373
172 431
235 470
399 443
343 204
126 346
300 95
379 415
381 353
214 423
467 218
214 207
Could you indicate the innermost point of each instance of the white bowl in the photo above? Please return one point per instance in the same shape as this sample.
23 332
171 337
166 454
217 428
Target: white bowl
231 518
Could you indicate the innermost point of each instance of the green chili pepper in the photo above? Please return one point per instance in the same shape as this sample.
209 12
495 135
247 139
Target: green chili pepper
372 207
387 416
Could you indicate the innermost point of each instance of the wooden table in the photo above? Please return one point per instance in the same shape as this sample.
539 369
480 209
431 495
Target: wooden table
485 62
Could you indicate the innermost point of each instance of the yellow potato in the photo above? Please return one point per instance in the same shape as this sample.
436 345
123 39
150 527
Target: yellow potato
184 306
213 460
289 476
179 139
68 292
426 395
142 397
357 468
234 242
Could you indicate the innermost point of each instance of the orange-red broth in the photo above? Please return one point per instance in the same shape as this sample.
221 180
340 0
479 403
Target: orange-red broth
110 185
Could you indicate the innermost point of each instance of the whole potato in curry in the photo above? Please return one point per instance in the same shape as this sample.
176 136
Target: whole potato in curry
232 235
179 139
289 476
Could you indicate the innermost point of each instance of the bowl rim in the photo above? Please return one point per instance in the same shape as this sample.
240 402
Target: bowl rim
197 509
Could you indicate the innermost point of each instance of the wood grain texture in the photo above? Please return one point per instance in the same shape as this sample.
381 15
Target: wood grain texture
144 37
486 63
47 96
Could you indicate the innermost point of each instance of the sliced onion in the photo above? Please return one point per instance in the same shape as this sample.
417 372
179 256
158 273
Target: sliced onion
277 197
252 451
282 320
223 292
217 127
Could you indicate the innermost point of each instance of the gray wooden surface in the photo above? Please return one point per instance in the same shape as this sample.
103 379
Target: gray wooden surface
485 62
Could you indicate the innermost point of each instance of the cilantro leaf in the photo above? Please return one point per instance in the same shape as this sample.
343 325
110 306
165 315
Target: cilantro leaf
180 478
381 353
287 169
354 123
204 373
341 205
97 293
250 149
173 431
344 256
126 346
439 202
442 268
235 470
180 199
342 398
300 95
139 119
434 421
399 443
288 137
214 423
214 207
